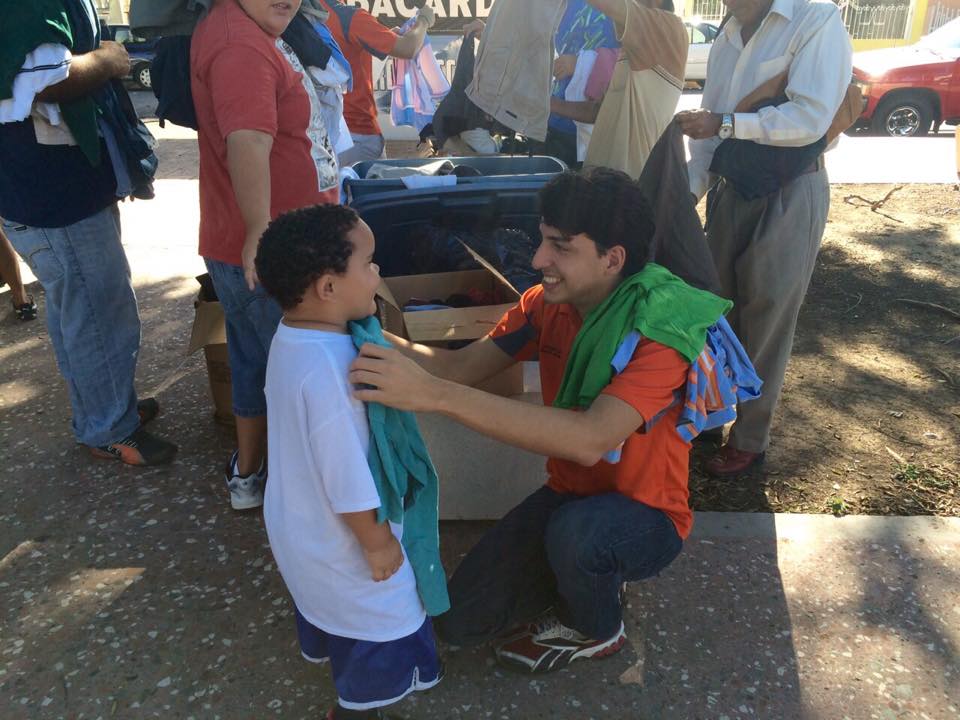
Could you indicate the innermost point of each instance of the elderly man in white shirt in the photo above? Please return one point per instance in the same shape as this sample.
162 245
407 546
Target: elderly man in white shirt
765 248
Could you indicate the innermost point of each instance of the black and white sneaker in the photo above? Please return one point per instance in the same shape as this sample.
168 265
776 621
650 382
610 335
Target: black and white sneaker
246 491
550 645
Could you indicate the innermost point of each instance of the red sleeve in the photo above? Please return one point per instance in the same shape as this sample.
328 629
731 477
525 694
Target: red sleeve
649 380
371 35
518 332
244 86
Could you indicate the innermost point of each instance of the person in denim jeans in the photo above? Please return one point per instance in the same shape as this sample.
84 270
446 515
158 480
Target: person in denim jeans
263 151
546 581
58 198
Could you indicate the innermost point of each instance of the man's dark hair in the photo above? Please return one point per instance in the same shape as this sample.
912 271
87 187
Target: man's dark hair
301 246
604 204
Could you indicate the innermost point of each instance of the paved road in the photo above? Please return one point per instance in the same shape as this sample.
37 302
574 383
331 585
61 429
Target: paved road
867 159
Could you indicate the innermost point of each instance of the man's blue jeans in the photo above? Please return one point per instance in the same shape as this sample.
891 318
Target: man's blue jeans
568 552
92 318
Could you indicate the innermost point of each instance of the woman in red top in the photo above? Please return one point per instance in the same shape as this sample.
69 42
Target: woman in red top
263 151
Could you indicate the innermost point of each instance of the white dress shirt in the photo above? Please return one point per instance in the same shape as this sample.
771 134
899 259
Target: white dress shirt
809 38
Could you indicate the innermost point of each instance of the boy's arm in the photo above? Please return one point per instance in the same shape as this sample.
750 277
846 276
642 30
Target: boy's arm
582 437
467 366
584 111
380 547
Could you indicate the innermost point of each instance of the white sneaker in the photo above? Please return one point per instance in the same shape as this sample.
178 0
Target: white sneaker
246 491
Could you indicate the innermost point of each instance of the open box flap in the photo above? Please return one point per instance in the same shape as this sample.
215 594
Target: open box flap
496 273
209 326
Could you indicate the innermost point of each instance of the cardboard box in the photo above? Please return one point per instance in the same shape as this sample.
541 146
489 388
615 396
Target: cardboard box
441 327
210 333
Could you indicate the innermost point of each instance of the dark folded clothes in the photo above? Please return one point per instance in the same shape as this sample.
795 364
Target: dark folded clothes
435 249
757 170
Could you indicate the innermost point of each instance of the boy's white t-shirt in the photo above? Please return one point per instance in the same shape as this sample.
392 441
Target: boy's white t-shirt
318 438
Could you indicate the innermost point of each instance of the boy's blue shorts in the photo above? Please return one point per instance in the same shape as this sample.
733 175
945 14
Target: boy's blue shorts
373 674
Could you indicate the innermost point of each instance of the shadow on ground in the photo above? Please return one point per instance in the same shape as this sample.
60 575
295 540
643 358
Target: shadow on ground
138 593
869 372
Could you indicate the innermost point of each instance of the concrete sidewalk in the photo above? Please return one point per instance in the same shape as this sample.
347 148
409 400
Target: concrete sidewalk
136 594
131 593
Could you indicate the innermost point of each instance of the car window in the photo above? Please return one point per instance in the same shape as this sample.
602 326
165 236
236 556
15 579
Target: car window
701 33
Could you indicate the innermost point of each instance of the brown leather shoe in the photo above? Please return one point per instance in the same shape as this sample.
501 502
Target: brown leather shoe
730 463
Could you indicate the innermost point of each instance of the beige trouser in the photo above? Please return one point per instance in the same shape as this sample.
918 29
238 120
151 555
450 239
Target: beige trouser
765 251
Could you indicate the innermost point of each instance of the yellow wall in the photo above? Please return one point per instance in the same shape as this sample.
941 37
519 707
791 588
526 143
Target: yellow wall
918 21
859 45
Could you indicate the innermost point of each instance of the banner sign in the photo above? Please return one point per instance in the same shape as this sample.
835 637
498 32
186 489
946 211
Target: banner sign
452 15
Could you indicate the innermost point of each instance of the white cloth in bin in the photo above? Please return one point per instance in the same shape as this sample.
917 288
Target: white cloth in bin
416 182
383 171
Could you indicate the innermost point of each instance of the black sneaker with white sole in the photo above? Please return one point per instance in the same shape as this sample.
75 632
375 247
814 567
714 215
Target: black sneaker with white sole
550 645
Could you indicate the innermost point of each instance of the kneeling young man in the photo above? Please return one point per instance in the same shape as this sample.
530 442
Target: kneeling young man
615 506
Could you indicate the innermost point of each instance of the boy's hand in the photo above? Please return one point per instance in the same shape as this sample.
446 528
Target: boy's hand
564 66
476 27
385 561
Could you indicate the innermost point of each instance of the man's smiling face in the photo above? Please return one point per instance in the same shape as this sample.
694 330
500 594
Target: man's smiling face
574 268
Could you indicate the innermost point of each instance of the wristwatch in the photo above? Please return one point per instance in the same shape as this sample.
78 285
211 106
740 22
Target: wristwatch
726 126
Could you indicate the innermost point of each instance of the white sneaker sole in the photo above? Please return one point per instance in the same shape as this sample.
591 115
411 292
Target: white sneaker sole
245 503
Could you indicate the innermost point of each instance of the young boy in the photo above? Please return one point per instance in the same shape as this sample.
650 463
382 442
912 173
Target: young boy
356 596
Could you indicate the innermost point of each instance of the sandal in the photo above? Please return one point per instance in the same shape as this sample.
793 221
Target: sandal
27 311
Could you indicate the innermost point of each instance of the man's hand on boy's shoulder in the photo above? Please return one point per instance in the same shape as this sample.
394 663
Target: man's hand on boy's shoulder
384 562
387 376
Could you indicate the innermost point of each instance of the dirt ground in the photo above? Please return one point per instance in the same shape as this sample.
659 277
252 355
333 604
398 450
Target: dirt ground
869 422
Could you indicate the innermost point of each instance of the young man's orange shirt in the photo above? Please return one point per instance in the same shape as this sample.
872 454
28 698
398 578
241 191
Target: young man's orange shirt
654 462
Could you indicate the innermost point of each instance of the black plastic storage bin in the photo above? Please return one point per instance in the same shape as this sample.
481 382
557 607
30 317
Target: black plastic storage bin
493 169
408 224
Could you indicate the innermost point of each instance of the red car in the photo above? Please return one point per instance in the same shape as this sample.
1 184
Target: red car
909 89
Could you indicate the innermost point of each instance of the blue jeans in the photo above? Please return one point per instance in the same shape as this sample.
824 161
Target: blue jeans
252 319
92 318
568 552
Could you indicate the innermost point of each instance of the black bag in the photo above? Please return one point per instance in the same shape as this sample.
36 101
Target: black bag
170 77
170 70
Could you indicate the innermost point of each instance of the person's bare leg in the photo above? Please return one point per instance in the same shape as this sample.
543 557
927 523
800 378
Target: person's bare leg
10 271
251 443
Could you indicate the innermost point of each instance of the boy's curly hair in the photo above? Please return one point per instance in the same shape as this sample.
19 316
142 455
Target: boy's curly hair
605 204
301 246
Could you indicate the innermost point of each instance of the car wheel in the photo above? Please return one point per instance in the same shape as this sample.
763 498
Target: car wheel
903 116
142 77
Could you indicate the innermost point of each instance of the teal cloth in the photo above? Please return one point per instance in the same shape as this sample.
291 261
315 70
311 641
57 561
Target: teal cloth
28 24
655 303
406 482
